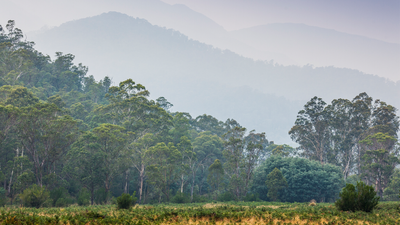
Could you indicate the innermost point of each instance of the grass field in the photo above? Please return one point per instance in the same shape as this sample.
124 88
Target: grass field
215 213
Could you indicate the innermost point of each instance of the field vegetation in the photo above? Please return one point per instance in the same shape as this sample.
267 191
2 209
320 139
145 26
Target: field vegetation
203 213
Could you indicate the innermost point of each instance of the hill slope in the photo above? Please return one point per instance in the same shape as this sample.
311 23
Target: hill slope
324 47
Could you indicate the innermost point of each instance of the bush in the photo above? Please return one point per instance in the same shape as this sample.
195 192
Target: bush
125 201
84 197
35 196
2 197
180 198
58 193
226 197
357 198
305 179
251 197
100 196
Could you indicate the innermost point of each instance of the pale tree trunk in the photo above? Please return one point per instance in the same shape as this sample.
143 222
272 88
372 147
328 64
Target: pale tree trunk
141 175
182 183
191 188
126 181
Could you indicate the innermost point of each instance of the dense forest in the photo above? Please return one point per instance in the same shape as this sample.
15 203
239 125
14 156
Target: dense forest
86 141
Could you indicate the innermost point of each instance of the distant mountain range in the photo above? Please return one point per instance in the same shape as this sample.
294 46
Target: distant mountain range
286 44
200 78
324 47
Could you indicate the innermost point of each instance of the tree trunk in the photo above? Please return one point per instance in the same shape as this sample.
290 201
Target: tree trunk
126 181
191 188
141 175
182 183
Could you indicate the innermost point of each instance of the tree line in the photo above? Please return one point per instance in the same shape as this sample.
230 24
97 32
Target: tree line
85 139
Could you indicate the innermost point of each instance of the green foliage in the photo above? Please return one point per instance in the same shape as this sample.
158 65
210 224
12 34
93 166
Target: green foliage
228 212
380 159
275 182
180 198
58 193
215 175
251 197
100 196
306 179
2 196
226 197
357 198
125 201
83 197
391 192
35 196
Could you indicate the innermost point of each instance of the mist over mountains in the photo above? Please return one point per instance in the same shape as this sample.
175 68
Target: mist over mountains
199 78
324 47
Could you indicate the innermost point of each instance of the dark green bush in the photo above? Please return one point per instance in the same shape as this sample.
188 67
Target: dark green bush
35 196
180 198
83 197
357 198
2 196
100 196
226 197
251 197
58 193
125 201
61 202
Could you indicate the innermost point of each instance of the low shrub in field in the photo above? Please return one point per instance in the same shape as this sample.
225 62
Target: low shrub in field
361 197
226 197
251 197
125 201
35 196
2 196
180 198
83 197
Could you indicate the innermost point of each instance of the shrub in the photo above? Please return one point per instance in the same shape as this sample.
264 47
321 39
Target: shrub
100 196
251 197
61 202
125 201
84 197
226 197
34 196
357 198
180 198
58 193
2 196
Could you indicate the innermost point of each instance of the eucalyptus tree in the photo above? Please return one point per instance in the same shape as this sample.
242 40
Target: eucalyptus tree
85 163
138 151
379 160
242 155
162 171
46 135
130 108
112 143
206 147
187 157
311 130
215 176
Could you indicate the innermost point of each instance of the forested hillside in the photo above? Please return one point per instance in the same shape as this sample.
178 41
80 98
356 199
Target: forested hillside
86 141
122 47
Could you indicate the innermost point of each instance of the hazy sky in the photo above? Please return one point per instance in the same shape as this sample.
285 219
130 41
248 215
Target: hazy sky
378 19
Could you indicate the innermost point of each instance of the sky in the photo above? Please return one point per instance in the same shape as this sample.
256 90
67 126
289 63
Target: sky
371 18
